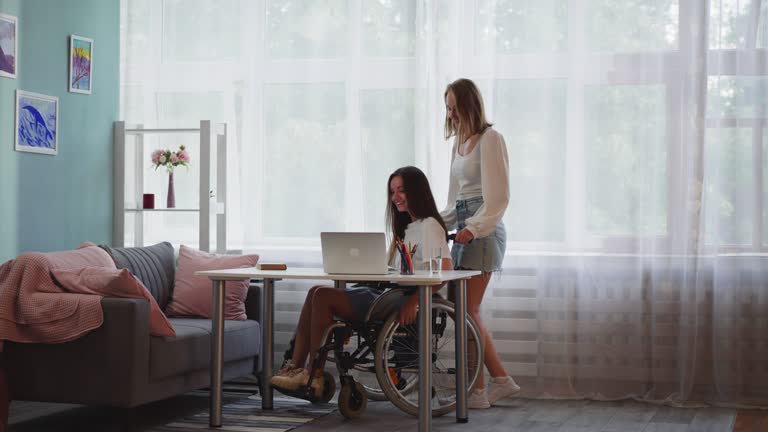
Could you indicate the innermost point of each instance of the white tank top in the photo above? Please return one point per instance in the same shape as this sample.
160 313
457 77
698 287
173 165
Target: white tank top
466 170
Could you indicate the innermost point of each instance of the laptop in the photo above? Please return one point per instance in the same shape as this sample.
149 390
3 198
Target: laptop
354 252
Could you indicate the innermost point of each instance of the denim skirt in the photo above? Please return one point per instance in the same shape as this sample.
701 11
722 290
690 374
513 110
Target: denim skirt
485 254
361 298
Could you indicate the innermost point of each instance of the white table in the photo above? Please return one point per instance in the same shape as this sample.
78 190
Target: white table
423 279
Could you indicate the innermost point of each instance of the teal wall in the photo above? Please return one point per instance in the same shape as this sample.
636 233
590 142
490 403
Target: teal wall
56 202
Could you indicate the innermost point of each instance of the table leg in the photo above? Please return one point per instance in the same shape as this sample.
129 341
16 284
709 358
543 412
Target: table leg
217 352
425 359
461 351
268 345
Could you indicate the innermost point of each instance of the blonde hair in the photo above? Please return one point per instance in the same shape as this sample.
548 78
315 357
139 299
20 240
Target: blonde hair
469 107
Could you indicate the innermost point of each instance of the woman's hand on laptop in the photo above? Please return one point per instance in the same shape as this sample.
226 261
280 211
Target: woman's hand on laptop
408 310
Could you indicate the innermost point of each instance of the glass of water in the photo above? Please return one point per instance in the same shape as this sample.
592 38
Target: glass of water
435 260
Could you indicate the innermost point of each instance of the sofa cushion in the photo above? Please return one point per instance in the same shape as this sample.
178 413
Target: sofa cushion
152 265
108 282
192 295
190 350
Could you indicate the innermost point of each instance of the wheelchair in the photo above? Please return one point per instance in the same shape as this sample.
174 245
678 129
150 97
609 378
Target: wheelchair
378 359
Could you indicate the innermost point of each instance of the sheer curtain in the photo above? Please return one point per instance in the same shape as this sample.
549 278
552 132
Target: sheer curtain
636 131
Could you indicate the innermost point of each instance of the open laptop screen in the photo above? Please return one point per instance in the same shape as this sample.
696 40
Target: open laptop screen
354 252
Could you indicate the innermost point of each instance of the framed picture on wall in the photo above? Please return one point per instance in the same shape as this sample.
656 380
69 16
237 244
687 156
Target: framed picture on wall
37 123
80 64
8 45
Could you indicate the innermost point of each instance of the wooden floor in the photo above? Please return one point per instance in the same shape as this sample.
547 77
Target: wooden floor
516 415
751 421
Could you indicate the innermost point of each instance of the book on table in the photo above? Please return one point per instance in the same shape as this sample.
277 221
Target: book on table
272 266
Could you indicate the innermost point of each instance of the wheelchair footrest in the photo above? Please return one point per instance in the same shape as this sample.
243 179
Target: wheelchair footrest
303 392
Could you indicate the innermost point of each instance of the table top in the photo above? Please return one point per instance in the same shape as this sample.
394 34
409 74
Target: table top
423 277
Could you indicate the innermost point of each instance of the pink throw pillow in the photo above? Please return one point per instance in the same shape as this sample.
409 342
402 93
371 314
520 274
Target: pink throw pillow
193 295
109 282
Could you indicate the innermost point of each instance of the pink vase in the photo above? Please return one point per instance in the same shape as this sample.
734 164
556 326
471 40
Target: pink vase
171 194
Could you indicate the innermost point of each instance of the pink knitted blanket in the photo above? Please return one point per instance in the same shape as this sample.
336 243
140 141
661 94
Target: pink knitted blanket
34 309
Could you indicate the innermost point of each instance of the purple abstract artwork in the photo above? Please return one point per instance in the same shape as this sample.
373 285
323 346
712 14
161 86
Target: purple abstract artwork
8 46
80 64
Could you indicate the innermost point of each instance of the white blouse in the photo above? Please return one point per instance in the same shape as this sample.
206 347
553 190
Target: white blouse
483 172
426 234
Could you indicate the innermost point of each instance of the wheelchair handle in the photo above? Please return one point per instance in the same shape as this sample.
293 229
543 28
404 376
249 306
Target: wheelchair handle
452 237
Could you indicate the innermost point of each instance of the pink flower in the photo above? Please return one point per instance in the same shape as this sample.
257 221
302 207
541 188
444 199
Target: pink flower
170 159
156 156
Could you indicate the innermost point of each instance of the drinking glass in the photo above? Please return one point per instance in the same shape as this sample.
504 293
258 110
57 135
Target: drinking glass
436 260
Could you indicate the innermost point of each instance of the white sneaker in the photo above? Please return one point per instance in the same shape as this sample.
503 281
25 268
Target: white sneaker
497 391
478 400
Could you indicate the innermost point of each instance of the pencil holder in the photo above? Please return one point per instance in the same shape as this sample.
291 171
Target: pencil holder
405 268
407 253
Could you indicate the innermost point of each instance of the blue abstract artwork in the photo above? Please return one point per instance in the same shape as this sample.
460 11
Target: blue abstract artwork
37 123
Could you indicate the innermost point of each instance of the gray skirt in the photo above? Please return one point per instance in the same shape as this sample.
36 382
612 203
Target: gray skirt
485 254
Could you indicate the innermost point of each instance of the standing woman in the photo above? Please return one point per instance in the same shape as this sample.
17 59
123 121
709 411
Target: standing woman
477 199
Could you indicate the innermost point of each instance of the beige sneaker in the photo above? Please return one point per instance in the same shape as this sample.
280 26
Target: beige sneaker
288 369
296 379
284 377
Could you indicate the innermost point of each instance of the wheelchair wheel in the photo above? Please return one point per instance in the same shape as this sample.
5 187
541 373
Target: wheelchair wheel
352 400
397 364
364 371
329 388
366 377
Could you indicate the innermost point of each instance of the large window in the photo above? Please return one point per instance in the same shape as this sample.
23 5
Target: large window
735 204
625 142
325 98
519 26
533 113
304 127
631 25
387 138
316 29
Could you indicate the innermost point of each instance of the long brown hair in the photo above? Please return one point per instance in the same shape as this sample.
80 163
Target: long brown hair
421 203
469 107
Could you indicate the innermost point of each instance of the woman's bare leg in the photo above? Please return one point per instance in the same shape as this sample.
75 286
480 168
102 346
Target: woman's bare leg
302 335
326 303
476 287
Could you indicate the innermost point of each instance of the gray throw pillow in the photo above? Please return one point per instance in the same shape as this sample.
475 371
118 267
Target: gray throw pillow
154 266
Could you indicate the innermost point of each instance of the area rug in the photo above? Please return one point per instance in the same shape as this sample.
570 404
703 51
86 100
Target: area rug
246 415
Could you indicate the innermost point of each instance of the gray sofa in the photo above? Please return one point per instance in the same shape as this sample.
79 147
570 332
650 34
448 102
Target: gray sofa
120 364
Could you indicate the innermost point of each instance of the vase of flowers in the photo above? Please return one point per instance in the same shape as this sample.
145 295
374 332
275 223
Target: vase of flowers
170 160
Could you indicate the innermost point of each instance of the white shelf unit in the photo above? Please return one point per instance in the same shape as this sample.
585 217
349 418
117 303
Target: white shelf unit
213 191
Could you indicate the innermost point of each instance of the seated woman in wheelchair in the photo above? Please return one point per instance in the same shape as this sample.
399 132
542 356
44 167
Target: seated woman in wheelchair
412 216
